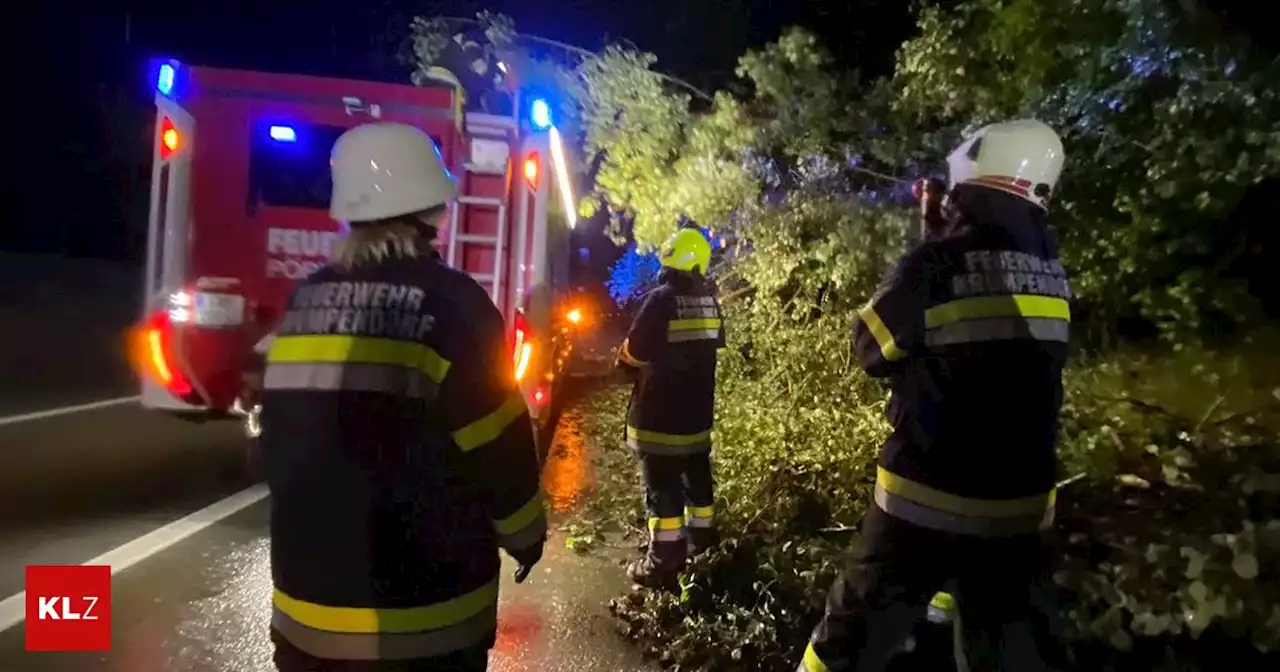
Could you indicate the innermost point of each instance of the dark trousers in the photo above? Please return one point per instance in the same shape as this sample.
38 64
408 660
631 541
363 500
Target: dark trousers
1000 586
678 496
289 658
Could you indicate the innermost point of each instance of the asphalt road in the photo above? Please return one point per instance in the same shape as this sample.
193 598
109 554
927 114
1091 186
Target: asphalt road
114 480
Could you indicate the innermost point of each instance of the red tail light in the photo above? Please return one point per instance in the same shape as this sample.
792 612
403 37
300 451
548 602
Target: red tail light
531 169
521 345
170 138
153 354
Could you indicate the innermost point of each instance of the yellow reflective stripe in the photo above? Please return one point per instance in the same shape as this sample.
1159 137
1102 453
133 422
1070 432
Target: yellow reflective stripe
491 426
667 439
358 349
694 324
888 346
522 518
624 353
665 524
965 506
1009 305
365 620
699 511
811 662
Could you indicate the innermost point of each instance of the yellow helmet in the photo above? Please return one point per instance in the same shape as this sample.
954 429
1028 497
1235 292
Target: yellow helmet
686 250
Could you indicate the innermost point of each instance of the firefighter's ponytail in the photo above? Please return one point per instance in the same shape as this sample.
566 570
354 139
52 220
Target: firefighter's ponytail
401 237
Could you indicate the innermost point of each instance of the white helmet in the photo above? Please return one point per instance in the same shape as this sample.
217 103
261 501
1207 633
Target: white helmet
384 170
1022 157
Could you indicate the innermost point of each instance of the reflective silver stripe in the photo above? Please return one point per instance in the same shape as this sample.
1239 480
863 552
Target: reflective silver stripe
387 646
698 521
527 536
650 448
666 535
692 335
999 329
684 313
976 526
352 376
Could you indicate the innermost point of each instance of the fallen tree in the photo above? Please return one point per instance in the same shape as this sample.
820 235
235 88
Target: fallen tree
1170 543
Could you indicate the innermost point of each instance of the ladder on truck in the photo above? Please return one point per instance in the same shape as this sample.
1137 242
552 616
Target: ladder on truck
488 156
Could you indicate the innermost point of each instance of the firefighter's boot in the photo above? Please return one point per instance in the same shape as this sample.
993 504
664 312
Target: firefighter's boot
702 539
654 574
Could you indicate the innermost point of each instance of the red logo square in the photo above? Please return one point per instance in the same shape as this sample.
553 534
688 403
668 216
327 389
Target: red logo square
68 608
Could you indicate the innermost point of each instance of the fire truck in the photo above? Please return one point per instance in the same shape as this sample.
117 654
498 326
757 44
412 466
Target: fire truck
239 213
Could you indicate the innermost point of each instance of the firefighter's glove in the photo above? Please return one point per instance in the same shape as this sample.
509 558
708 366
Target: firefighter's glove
526 558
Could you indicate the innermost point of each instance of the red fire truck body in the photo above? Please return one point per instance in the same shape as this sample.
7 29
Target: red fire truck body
239 213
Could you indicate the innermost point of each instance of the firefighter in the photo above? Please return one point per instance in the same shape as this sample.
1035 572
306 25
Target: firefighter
671 349
971 331
398 449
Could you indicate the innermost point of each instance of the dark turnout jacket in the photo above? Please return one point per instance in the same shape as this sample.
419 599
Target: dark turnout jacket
971 331
673 343
400 456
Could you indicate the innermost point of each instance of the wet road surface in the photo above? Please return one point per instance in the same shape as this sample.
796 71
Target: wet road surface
80 485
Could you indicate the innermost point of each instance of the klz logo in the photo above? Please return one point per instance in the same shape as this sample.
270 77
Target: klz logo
68 608
59 609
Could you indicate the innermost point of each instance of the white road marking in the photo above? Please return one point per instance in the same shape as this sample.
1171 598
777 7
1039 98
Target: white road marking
55 412
13 608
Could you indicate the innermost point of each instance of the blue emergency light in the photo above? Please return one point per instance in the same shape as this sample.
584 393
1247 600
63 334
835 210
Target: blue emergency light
540 114
283 134
164 79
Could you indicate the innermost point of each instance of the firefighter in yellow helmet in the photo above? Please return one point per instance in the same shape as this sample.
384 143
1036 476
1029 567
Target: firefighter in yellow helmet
672 348
970 330
398 450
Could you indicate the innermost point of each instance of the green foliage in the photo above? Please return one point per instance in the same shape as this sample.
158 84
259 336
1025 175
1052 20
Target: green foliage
659 161
1164 131
1170 541
1170 545
1169 537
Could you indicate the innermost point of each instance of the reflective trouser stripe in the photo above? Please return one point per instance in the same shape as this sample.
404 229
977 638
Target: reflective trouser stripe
919 504
699 516
490 427
388 646
884 338
811 662
999 329
524 528
352 376
666 529
659 443
1008 305
693 330
358 349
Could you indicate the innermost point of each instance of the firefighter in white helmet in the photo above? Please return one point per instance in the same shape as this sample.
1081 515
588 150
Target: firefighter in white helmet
399 452
970 329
